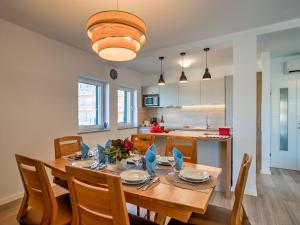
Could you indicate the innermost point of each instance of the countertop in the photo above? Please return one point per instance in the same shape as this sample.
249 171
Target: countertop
211 136
186 128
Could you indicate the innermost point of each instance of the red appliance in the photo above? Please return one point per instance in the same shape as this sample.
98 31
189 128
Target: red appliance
224 131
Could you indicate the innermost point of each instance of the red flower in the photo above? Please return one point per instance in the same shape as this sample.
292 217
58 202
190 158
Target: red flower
127 144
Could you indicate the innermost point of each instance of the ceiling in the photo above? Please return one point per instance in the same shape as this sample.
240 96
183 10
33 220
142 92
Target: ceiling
217 56
280 44
169 22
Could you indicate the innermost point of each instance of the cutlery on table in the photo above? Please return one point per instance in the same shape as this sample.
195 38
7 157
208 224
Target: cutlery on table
144 184
155 180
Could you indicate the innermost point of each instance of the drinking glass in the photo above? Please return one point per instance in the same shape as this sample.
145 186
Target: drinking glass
137 159
171 160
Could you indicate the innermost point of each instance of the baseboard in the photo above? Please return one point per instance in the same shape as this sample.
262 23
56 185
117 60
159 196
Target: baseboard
11 198
251 191
265 171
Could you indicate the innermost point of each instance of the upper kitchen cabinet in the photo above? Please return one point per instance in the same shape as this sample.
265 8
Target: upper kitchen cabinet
189 93
213 92
168 95
150 90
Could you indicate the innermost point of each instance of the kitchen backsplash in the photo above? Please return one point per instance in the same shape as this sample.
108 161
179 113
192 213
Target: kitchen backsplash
177 117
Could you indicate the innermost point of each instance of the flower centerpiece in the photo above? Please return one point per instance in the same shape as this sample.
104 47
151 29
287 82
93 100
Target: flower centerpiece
120 150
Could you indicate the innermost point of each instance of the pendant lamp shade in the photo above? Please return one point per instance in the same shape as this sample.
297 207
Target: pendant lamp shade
161 80
183 78
206 75
116 35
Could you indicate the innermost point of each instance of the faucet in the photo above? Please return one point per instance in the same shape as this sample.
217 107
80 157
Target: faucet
207 125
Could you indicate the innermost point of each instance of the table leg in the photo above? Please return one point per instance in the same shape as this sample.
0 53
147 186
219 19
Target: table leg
159 219
228 168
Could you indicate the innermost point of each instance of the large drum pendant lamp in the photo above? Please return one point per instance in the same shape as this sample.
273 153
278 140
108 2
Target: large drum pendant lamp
116 35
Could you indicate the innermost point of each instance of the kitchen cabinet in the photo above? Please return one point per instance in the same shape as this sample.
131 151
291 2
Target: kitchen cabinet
150 90
168 95
189 93
213 92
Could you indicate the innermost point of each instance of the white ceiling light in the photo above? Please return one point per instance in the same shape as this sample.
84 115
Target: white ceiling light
186 63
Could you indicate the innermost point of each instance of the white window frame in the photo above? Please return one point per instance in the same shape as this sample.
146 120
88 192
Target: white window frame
132 108
102 105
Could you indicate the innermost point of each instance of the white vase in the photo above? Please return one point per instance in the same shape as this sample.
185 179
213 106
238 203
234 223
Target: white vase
121 165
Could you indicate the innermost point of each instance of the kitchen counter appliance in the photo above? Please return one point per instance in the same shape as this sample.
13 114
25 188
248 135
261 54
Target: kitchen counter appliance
151 100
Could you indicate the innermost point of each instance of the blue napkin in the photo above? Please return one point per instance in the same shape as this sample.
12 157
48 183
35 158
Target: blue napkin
84 150
152 148
150 159
108 143
101 152
178 158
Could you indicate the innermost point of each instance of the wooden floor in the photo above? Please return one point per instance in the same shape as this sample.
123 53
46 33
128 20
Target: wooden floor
277 203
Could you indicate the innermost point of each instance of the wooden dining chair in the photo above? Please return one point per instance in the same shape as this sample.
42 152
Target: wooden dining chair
98 198
64 146
40 206
142 141
187 145
67 145
215 215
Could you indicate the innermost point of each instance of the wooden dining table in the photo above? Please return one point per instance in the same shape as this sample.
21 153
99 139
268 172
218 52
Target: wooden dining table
164 199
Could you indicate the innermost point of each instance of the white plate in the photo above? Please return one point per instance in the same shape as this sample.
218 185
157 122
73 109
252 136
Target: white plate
134 175
164 160
193 181
137 182
83 163
194 174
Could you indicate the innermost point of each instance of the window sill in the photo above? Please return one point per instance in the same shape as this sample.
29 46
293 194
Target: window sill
125 128
93 131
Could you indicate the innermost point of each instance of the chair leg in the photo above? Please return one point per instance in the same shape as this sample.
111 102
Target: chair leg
138 211
148 214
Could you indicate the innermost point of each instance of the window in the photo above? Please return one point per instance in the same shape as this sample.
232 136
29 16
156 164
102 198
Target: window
126 107
92 100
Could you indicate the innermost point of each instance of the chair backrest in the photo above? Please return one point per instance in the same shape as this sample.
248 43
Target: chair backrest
38 192
66 145
238 210
187 145
142 141
96 198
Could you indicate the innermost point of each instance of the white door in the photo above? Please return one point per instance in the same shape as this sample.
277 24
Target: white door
298 125
284 124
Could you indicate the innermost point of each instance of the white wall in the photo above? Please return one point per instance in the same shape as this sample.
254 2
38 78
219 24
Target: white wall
244 107
38 98
266 113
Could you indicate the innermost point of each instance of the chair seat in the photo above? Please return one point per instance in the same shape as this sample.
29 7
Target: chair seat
214 215
136 220
64 214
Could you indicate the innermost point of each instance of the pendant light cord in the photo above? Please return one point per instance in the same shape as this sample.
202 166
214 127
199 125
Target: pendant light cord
160 66
182 63
206 58
117 4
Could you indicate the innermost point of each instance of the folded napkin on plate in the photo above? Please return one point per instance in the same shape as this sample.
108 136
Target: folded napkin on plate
152 148
84 150
108 143
178 158
101 152
150 160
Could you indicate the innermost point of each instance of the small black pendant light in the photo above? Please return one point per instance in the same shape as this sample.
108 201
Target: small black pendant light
182 78
161 80
206 75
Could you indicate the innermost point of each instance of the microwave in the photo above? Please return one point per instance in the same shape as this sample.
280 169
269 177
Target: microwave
151 100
